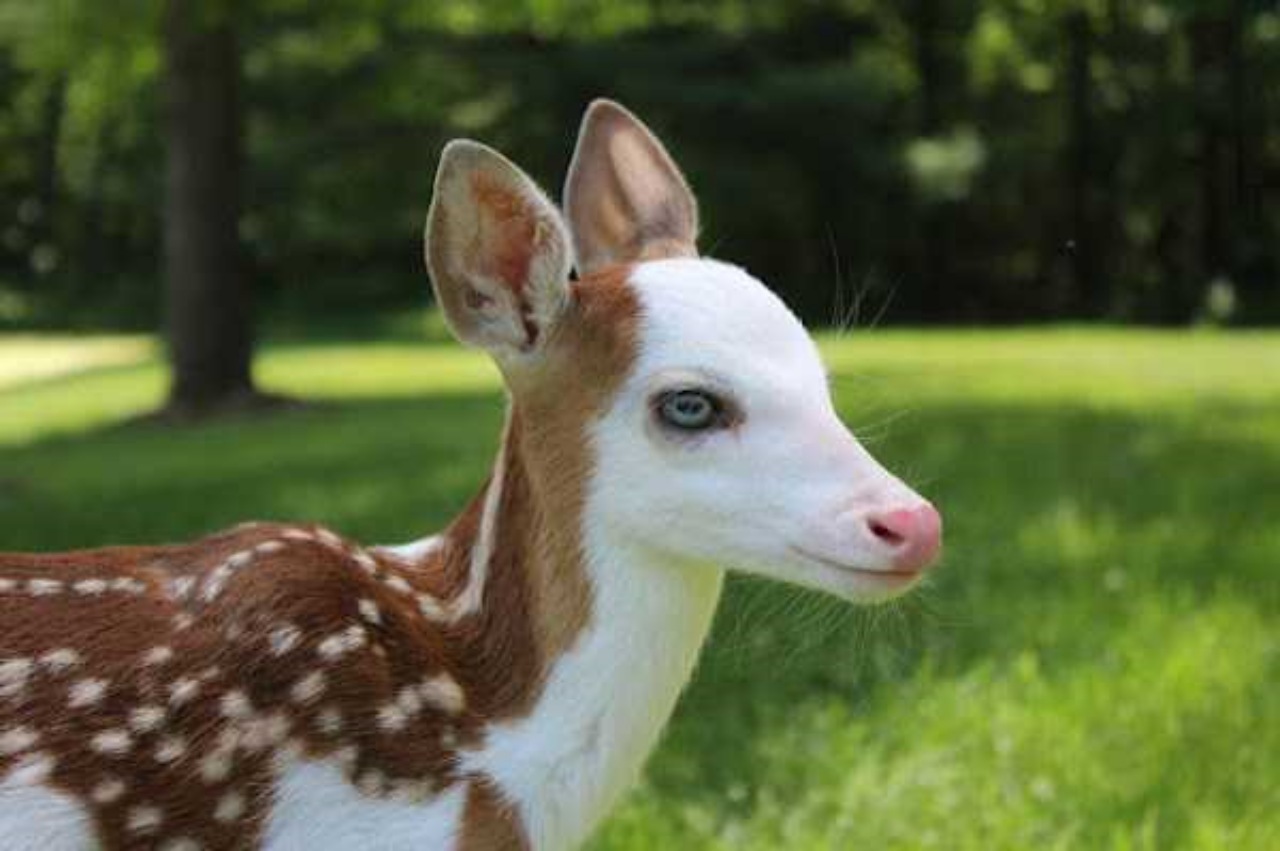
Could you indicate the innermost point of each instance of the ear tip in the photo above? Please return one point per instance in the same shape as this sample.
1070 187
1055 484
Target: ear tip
465 152
607 110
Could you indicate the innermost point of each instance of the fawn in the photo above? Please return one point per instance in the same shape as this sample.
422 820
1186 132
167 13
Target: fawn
499 685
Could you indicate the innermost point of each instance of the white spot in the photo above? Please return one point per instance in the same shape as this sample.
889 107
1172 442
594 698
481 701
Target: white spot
329 539
269 547
266 731
17 739
409 700
31 770
107 791
144 819
411 791
308 688
144 719
341 643
297 535
431 608
183 621
283 638
329 720
60 659
183 690
209 673
115 742
181 843
235 704
86 692
230 807
215 767
157 655
392 719
398 583
128 585
8 586
369 611
13 676
90 587
443 692
182 587
169 749
44 587
240 559
366 562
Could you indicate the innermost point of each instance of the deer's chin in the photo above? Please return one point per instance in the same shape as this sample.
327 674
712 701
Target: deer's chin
849 580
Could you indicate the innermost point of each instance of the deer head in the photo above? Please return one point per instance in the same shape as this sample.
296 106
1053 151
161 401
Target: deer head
711 438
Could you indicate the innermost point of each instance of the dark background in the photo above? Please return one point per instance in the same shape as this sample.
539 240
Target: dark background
938 160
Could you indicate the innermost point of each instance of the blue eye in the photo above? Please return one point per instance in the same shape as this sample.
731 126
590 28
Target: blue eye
690 410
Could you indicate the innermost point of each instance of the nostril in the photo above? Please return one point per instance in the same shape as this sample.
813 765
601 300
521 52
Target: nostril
892 537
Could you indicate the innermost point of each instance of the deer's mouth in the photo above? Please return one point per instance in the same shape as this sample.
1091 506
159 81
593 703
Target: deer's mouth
894 576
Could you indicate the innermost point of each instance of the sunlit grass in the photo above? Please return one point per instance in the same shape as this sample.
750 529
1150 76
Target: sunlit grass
1094 666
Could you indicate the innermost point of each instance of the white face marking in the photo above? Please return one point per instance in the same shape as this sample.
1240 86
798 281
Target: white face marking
780 475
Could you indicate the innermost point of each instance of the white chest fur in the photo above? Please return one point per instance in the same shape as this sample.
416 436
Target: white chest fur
606 700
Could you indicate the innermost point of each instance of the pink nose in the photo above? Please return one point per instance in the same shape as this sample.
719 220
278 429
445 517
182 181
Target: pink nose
913 534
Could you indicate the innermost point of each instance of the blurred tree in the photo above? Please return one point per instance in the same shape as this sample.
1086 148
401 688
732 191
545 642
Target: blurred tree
980 159
208 317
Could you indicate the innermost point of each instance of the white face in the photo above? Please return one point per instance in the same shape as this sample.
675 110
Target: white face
723 446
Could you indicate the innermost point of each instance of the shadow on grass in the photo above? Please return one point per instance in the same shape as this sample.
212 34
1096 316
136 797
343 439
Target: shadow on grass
1058 520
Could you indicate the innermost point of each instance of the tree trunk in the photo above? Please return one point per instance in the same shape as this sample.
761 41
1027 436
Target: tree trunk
1085 269
208 321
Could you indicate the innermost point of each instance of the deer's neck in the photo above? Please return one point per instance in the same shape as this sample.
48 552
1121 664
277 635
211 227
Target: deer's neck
615 633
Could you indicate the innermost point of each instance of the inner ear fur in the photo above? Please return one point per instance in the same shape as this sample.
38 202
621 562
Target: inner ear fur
497 251
625 199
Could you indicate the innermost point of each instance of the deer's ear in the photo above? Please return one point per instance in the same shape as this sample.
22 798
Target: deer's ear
497 251
625 199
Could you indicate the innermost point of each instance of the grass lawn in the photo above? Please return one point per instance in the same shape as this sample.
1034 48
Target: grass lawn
1094 667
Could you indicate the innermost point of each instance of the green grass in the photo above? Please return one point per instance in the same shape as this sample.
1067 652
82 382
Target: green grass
1094 667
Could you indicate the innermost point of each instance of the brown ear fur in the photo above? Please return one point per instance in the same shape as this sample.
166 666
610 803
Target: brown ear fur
625 199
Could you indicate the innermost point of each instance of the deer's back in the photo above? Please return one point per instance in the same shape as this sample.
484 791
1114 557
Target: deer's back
161 691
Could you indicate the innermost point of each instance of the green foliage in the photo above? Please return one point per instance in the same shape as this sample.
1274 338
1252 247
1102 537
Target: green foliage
1094 666
984 159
